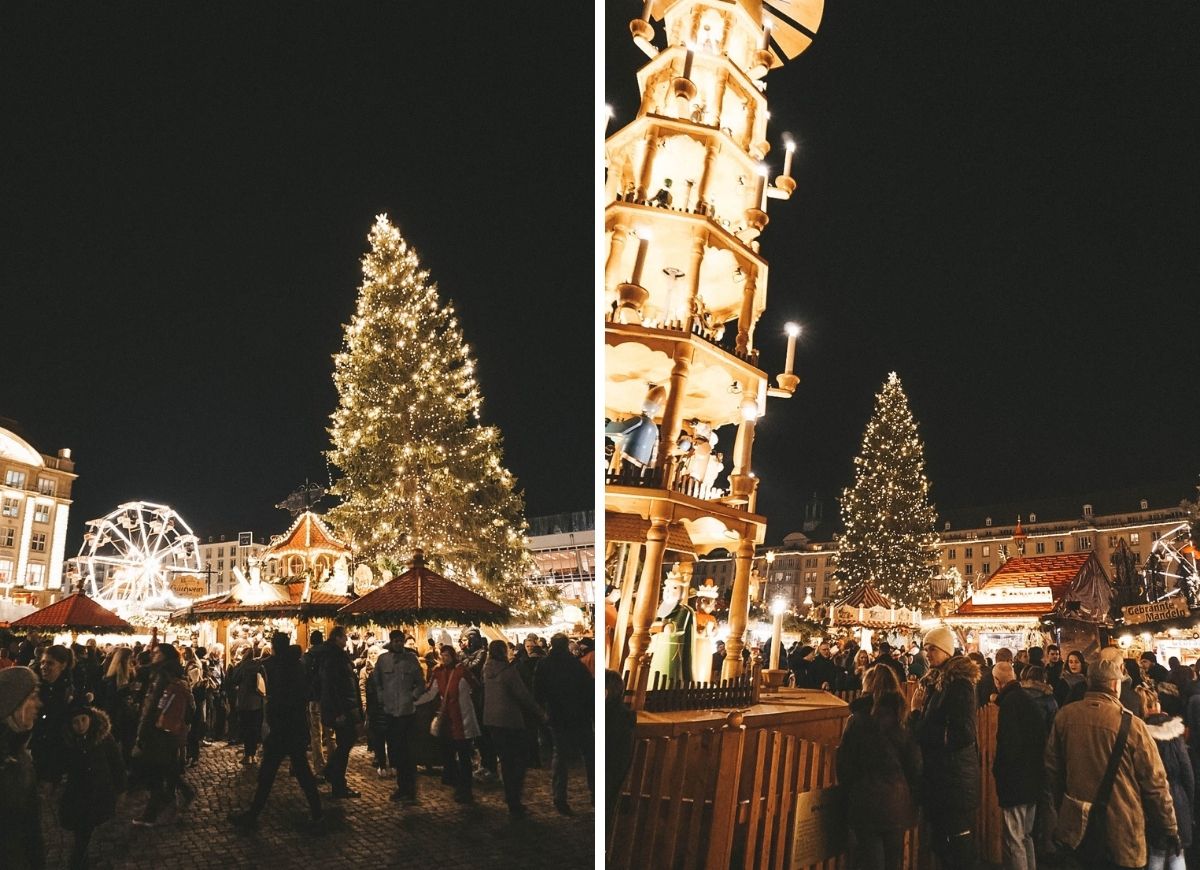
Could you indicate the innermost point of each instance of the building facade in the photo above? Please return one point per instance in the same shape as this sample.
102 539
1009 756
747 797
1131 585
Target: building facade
564 548
35 504
220 554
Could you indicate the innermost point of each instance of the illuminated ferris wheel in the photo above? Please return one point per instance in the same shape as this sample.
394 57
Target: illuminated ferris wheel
1171 568
130 557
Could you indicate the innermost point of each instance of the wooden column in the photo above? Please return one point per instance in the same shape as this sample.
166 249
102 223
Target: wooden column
747 313
649 590
616 654
739 609
616 250
673 413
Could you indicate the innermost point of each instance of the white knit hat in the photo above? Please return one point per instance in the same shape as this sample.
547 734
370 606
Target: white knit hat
942 638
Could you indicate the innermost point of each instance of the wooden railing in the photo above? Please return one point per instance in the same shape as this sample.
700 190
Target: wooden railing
729 797
660 696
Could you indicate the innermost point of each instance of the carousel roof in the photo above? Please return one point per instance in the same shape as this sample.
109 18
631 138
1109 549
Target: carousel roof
420 595
296 598
307 533
77 612
865 595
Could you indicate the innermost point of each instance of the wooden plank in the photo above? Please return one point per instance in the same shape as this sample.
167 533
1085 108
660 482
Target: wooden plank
787 795
694 848
771 810
675 795
621 837
732 743
660 774
754 793
638 801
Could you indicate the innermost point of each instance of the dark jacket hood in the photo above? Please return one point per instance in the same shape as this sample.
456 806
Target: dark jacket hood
954 668
100 728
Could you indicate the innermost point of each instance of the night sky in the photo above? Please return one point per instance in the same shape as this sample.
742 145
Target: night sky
1001 202
185 198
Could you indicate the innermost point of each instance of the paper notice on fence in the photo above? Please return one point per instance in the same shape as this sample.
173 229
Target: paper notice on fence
820 827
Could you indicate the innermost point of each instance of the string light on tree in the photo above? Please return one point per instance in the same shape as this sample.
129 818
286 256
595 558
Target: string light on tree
889 538
418 468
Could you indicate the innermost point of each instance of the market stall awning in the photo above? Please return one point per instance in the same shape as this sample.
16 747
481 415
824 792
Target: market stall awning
74 613
867 607
295 599
419 595
307 535
1026 588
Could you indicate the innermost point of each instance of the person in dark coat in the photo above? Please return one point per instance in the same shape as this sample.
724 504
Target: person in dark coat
884 657
341 708
1072 685
248 701
506 704
1151 668
162 731
288 733
1017 766
563 687
879 766
57 692
823 671
1161 711
1033 683
619 727
800 663
21 843
718 662
943 720
95 776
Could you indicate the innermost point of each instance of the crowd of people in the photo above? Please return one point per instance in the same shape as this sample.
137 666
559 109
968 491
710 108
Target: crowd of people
82 725
1095 763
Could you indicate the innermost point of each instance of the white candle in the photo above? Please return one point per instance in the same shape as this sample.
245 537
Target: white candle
789 150
792 331
761 195
646 10
766 43
831 614
640 262
687 64
776 639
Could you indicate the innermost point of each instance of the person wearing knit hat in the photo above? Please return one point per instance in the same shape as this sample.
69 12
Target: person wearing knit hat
21 843
943 721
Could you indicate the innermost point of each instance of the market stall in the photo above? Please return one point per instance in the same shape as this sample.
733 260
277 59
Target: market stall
74 615
866 611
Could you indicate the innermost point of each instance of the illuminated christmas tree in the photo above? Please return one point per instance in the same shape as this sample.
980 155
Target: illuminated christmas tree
419 469
889 538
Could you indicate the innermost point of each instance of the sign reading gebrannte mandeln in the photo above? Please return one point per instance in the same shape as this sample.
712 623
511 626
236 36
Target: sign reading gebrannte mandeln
1168 608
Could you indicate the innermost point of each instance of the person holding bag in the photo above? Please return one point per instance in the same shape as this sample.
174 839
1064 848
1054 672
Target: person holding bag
1105 776
455 724
162 732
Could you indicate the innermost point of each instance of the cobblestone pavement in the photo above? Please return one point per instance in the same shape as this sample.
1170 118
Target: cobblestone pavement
366 832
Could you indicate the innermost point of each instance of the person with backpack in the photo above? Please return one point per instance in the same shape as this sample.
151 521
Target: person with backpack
287 737
162 732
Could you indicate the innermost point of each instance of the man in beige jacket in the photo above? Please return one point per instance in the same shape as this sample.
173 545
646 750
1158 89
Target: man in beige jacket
1077 754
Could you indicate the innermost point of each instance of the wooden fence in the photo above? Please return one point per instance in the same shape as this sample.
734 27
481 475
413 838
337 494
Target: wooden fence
661 696
729 798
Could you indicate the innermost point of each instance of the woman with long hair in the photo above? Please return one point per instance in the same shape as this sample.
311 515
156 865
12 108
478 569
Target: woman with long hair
118 699
57 691
1073 683
879 766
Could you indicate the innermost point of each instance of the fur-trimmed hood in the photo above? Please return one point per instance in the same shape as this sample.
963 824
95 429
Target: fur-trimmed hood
1036 687
101 727
954 668
1166 730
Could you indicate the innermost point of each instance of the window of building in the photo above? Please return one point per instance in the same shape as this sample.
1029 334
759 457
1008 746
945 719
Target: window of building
969 552
1059 546
35 575
1137 557
1039 547
41 513
1087 510
6 571
7 536
969 569
988 522
1033 518
220 564
987 551
1114 540
37 542
1135 538
1145 505
47 485
10 508
1154 536
233 550
1085 542
986 568
14 478
951 554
